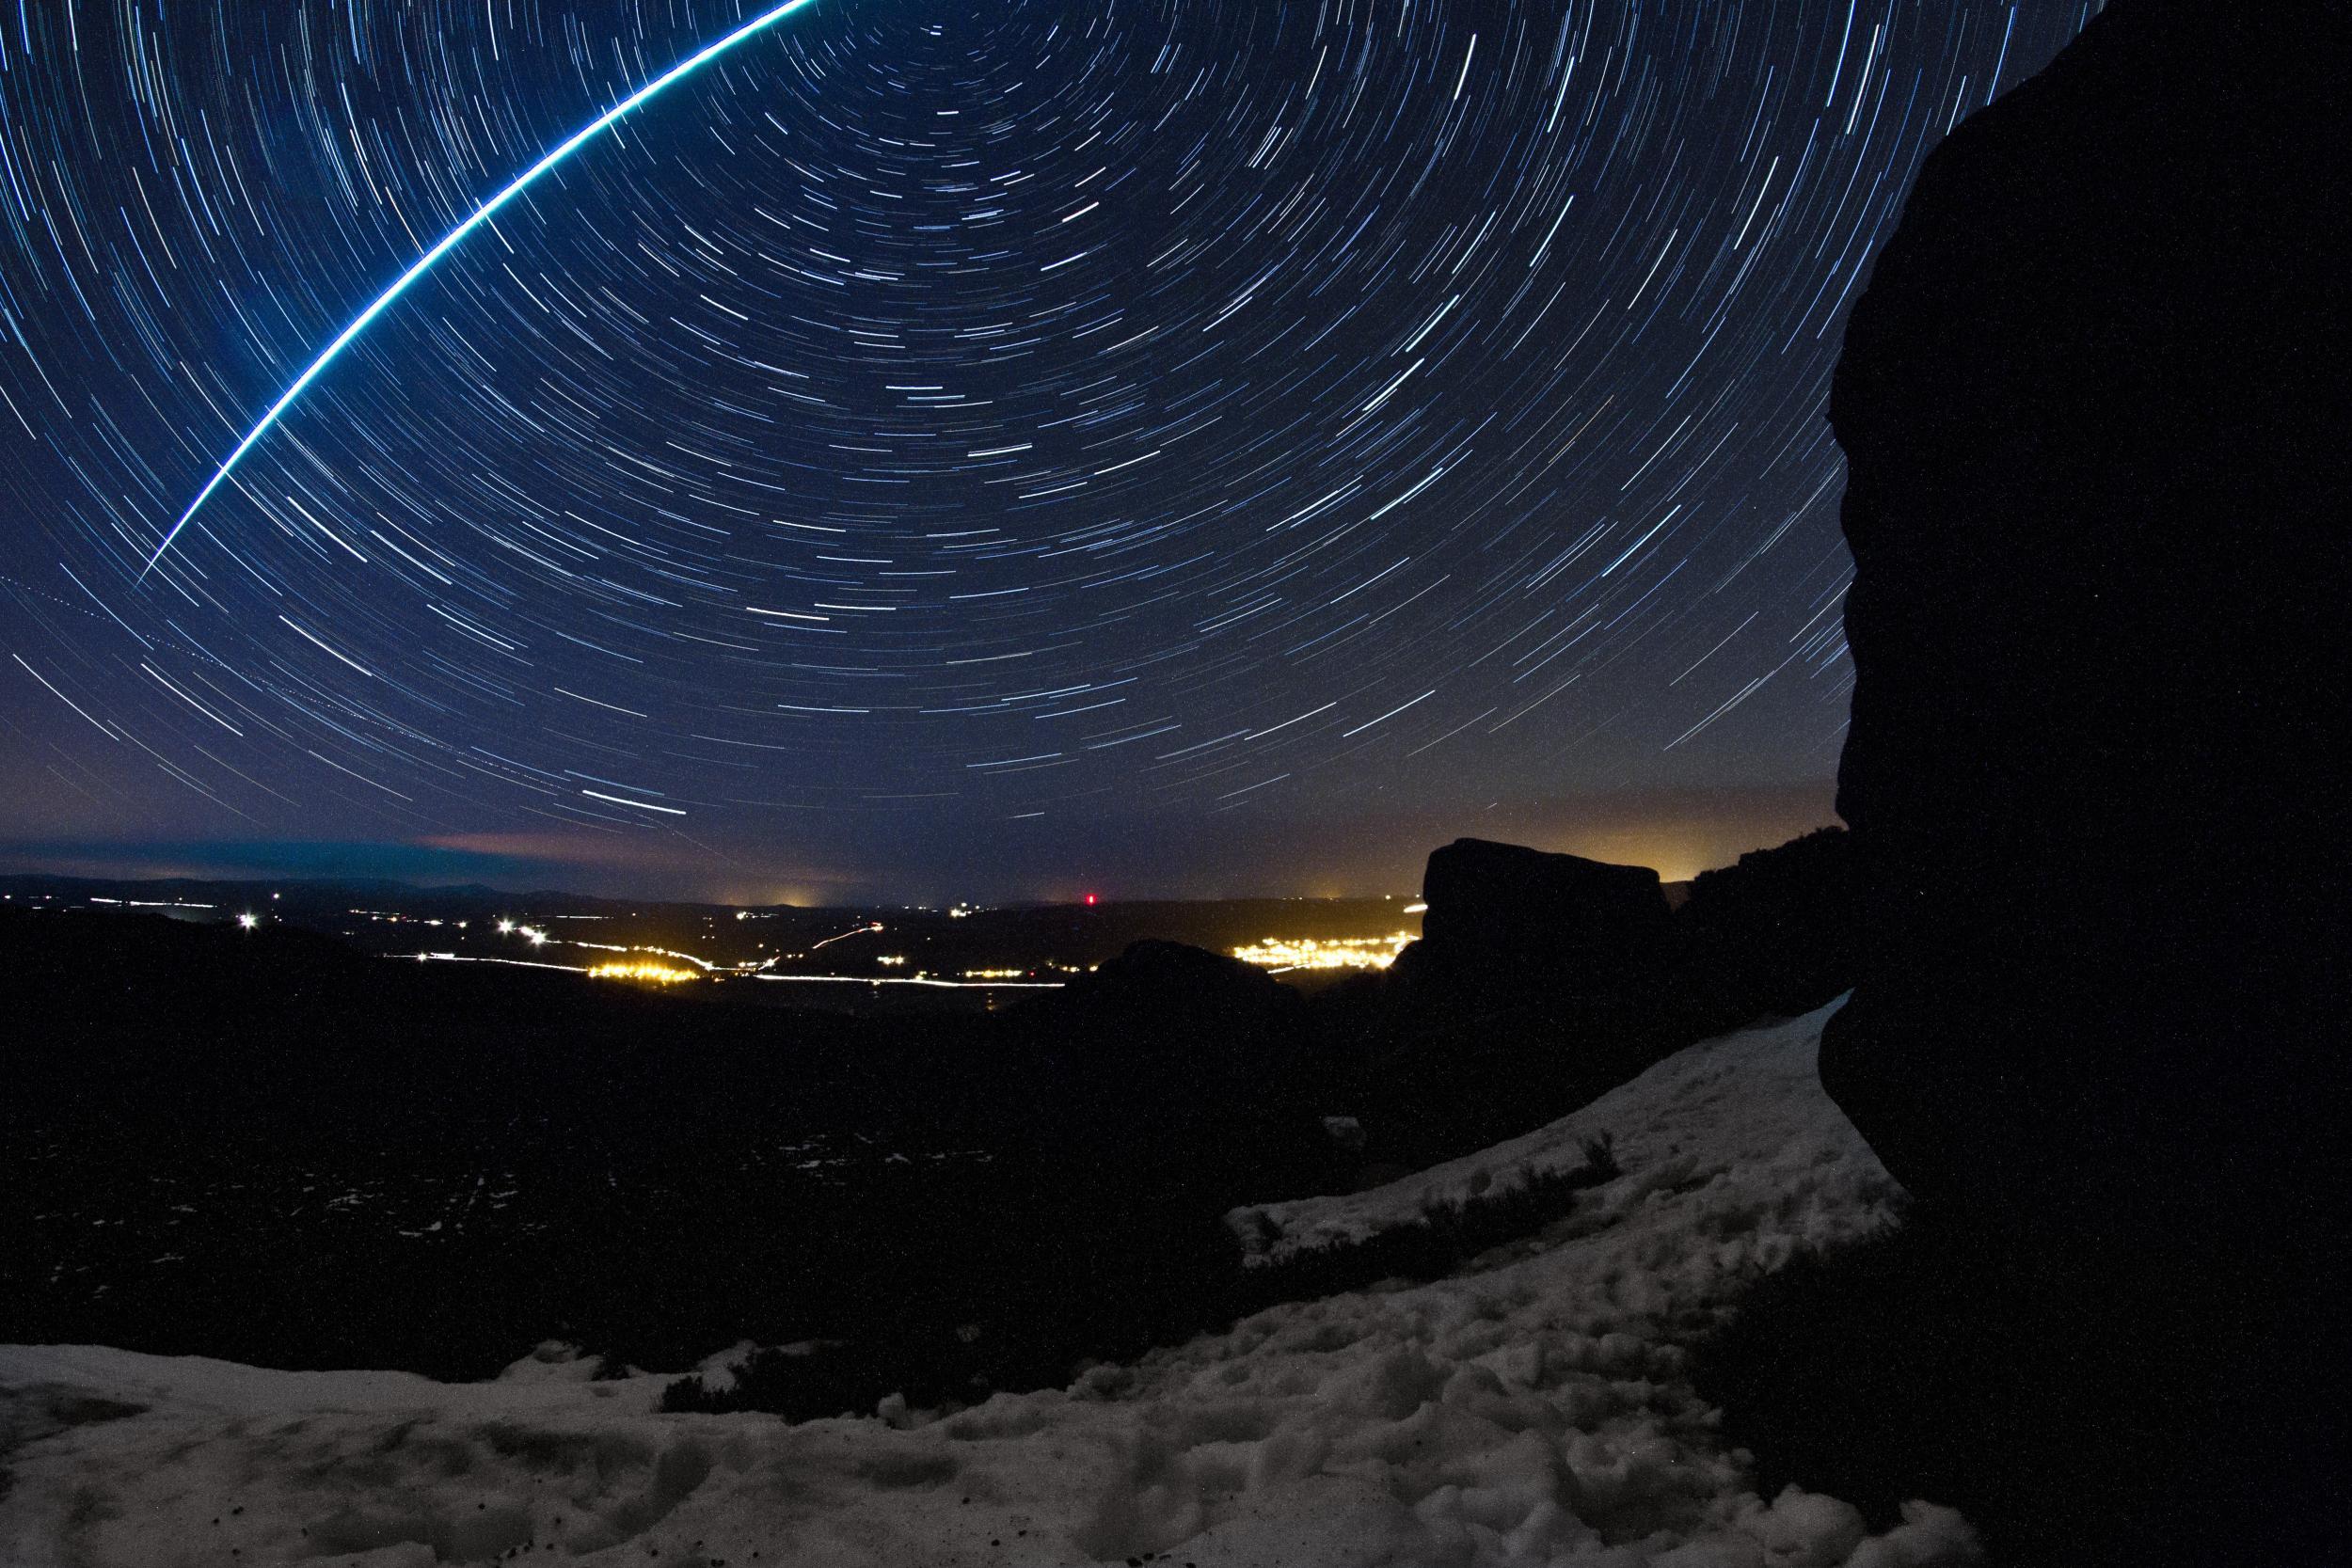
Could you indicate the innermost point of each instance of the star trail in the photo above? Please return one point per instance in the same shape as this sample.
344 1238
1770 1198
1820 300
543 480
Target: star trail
905 441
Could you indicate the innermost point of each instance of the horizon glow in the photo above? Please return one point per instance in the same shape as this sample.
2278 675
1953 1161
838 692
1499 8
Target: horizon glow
450 241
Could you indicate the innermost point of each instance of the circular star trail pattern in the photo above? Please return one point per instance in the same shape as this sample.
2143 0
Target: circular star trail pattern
940 420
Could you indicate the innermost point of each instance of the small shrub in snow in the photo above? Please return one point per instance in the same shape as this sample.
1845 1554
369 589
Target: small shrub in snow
1600 1158
952 1365
1447 1234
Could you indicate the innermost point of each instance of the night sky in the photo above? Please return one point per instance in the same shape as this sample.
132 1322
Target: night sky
940 450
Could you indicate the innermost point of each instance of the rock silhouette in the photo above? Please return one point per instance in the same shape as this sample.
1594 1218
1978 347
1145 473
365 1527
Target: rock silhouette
2091 403
1503 917
1776 933
2090 400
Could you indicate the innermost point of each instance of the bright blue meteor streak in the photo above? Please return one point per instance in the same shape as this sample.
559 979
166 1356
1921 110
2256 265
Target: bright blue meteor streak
482 215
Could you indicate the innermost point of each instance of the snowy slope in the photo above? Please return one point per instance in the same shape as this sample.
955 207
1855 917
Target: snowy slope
1532 1410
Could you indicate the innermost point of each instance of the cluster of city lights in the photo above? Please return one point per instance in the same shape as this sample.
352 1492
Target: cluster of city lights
1279 953
643 969
665 966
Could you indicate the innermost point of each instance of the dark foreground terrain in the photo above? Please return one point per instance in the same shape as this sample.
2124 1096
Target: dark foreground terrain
269 1147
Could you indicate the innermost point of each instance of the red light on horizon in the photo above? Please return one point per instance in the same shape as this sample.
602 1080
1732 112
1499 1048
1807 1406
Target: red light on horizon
1089 900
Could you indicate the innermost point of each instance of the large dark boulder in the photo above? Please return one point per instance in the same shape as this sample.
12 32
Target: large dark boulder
2092 407
1777 933
1535 986
2092 402
1508 917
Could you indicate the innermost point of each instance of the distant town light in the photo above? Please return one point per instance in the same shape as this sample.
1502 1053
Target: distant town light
1280 953
247 921
640 969
1089 900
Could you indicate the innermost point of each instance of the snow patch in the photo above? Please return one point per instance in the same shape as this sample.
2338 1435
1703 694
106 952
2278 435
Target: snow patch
1532 1410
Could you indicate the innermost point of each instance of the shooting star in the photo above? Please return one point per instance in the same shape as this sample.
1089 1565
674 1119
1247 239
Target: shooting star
456 236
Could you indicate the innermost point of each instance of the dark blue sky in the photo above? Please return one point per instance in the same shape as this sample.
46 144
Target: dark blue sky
936 452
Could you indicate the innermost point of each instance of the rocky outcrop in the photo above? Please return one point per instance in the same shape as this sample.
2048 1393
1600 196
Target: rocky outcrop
1534 987
1776 933
2091 400
1504 918
2091 405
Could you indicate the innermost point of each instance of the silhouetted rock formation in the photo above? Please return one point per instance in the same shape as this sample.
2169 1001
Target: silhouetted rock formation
2092 402
1536 985
1544 980
1779 932
1508 918
2092 407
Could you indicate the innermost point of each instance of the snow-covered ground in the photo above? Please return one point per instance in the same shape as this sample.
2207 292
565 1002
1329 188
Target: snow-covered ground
1532 1410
